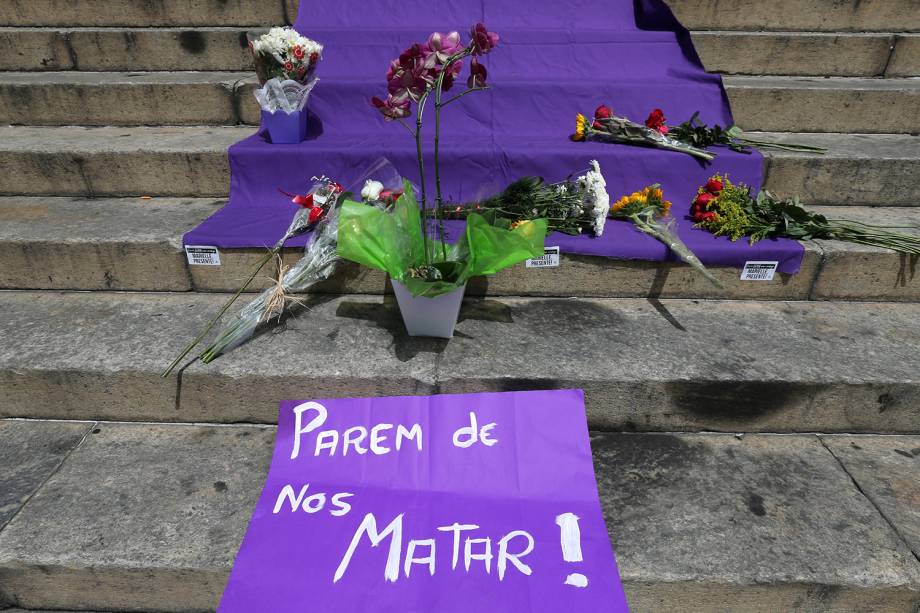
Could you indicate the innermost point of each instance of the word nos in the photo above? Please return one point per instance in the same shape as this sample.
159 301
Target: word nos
353 438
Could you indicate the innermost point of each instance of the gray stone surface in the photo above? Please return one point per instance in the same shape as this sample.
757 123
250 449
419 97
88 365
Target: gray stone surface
868 273
815 104
880 170
887 470
224 49
141 517
145 14
34 49
73 355
699 365
794 53
782 104
107 161
649 365
75 243
120 98
135 244
699 522
771 521
162 49
192 161
905 60
801 15
31 452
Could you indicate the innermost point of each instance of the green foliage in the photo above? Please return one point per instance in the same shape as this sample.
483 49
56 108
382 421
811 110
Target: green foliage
695 133
392 241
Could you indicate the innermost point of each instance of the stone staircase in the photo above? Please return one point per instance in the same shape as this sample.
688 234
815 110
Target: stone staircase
757 449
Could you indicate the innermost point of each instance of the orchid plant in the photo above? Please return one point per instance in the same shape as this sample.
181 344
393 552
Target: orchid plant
427 70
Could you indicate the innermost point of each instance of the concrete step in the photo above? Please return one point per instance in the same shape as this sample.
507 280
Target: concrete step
781 104
806 53
803 15
798 15
699 522
225 49
147 14
816 104
649 365
192 161
135 244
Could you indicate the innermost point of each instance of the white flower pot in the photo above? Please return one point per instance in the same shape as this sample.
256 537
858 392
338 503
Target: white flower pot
425 316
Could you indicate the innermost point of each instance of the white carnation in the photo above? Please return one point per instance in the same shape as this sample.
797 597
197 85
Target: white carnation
371 190
596 197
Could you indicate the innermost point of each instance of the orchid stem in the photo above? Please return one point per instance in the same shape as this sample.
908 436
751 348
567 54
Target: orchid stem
421 171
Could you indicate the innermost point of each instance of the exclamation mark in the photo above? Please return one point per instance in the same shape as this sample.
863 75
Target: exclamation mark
571 546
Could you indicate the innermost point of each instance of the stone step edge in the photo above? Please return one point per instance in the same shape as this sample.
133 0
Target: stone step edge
232 102
77 161
116 261
52 573
100 356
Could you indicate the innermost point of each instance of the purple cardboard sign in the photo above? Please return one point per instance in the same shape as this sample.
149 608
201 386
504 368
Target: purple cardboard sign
473 502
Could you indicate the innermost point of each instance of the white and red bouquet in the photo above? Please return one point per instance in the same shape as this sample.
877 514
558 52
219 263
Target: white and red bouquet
285 54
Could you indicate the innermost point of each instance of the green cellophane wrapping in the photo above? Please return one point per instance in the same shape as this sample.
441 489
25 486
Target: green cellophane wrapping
392 241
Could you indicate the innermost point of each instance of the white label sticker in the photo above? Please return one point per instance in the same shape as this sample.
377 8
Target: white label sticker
200 255
759 271
550 259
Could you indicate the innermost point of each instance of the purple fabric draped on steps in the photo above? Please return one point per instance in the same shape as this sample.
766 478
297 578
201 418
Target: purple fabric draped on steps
555 59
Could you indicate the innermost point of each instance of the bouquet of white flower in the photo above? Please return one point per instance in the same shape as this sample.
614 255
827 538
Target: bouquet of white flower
285 54
574 206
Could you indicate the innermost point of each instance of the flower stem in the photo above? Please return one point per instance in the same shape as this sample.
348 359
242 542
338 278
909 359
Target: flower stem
438 90
421 172
268 256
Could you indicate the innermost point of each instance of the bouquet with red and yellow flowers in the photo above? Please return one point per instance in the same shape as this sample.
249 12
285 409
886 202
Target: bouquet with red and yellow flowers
728 209
646 209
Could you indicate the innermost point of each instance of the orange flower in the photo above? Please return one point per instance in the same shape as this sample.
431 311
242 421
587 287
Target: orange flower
581 125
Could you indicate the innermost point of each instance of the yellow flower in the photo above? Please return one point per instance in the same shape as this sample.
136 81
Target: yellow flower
665 208
581 124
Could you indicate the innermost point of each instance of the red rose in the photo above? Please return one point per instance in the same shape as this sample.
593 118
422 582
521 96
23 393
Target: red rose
656 121
390 195
288 67
597 125
316 214
603 112
704 199
714 186
298 52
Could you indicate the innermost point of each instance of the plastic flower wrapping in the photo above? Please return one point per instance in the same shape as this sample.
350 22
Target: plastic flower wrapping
646 209
284 96
285 54
319 210
395 237
391 240
607 127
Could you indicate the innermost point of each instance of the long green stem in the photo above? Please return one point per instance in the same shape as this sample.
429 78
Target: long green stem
439 200
421 172
268 256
